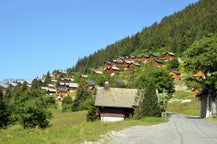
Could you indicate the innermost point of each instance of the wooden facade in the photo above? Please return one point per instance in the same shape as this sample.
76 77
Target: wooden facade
115 104
111 70
175 74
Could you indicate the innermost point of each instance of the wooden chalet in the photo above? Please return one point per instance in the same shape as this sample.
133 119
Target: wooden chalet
176 75
107 64
97 72
62 92
152 57
195 92
127 64
115 104
132 58
90 83
73 87
122 58
142 58
168 56
198 75
83 77
66 81
72 74
158 62
111 70
51 89
54 82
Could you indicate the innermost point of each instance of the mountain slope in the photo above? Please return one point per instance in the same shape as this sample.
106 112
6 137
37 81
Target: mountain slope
174 33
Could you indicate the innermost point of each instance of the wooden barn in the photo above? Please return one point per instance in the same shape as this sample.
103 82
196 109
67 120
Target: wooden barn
115 104
176 75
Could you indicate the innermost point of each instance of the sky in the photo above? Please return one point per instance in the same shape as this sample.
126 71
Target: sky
37 36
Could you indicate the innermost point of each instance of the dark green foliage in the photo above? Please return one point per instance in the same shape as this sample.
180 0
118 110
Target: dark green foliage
174 33
27 106
67 104
49 101
173 64
33 110
202 55
47 79
148 102
160 77
91 115
83 94
36 83
4 112
34 114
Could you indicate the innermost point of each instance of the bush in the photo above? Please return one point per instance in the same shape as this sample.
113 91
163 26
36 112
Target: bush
67 104
33 114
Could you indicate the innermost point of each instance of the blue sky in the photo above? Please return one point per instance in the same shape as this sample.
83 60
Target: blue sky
37 36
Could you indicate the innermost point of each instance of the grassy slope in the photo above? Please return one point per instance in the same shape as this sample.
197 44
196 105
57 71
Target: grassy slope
70 127
192 108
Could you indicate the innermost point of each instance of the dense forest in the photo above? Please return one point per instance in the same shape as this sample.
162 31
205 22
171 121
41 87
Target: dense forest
174 33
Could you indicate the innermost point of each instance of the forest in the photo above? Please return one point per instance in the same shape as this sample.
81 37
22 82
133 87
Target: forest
174 33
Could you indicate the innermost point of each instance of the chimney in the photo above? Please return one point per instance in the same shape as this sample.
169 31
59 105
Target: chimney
106 87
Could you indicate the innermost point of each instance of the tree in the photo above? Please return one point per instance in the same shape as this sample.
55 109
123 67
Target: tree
91 115
47 79
173 64
148 102
36 83
160 77
32 109
83 93
67 104
202 55
4 111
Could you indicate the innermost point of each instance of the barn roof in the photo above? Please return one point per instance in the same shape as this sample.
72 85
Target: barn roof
116 97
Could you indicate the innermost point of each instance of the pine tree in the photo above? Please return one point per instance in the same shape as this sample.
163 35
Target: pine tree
148 102
4 112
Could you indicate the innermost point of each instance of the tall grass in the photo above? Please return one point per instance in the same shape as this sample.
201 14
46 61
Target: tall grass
68 128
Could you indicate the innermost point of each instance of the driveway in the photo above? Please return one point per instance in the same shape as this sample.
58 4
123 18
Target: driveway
181 129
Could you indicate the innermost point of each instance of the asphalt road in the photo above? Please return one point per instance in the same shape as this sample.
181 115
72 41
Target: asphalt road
180 129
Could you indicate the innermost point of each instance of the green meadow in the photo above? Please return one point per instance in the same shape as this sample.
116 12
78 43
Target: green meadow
190 108
69 128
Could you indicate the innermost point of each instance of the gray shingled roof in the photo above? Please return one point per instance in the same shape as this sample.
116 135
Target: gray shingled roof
116 97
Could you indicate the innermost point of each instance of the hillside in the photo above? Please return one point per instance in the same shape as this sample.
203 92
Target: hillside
174 33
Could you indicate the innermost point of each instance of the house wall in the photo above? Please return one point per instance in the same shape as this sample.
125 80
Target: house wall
208 106
114 114
111 119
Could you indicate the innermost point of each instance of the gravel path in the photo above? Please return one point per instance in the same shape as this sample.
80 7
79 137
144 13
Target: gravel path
180 129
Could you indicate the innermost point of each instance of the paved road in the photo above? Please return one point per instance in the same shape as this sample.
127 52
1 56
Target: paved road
180 129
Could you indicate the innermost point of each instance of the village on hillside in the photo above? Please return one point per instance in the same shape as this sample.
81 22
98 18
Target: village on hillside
66 86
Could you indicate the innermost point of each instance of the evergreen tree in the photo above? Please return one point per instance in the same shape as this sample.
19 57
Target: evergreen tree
148 102
47 79
173 64
36 83
91 115
4 111
67 104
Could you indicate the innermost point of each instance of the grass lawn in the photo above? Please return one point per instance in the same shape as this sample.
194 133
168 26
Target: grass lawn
191 108
68 128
